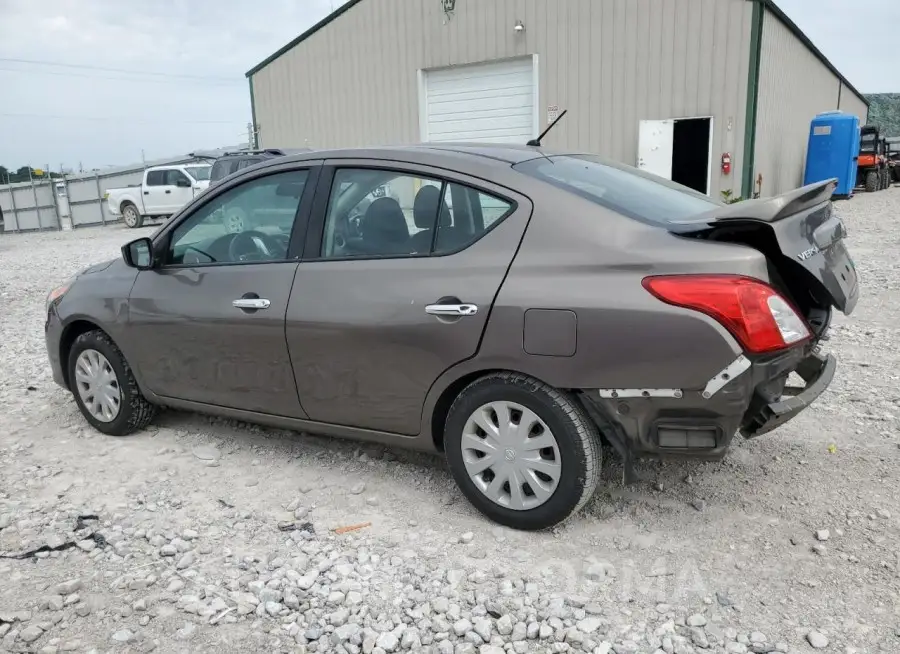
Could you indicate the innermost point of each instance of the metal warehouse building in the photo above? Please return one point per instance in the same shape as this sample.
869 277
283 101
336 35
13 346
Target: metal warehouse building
673 86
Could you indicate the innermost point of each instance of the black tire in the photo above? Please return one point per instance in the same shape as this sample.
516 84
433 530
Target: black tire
135 412
131 216
577 437
872 181
886 177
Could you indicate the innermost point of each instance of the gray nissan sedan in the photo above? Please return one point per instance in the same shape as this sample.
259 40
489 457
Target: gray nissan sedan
511 307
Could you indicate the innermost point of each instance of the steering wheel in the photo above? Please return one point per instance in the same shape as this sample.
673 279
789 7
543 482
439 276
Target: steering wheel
254 245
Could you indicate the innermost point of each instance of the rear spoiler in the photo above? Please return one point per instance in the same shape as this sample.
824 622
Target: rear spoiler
769 210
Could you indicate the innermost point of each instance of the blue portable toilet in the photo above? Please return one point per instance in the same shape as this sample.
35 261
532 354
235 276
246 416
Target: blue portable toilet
833 150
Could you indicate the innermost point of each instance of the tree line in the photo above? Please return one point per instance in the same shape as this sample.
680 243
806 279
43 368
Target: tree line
24 174
884 111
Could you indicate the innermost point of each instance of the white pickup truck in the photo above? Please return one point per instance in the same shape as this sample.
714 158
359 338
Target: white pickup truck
164 191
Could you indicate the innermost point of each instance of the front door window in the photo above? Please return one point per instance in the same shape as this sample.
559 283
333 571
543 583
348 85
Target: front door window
251 222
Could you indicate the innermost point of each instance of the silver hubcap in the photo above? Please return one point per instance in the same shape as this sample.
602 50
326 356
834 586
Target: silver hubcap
97 385
130 216
511 455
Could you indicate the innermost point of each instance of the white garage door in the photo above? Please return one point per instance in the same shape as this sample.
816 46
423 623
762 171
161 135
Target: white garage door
493 102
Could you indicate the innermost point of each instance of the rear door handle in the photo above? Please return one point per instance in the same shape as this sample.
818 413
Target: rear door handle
252 303
168 191
451 309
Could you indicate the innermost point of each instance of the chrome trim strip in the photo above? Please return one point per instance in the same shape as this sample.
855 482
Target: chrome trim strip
618 393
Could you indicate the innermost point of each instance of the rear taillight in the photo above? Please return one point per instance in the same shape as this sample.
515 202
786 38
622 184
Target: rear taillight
755 313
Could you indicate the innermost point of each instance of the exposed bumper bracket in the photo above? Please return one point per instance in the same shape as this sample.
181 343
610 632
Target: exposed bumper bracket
734 369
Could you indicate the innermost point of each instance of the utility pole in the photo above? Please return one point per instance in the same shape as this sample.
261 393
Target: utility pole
252 136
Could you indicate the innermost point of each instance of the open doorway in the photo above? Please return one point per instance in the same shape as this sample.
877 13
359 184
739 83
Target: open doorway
678 149
690 153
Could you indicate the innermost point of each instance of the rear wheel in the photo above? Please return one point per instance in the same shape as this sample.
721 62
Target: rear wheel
523 453
104 386
131 216
872 183
886 177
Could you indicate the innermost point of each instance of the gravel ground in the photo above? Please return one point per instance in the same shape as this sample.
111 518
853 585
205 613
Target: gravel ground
202 535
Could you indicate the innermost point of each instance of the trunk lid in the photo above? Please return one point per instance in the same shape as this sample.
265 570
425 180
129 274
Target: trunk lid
799 232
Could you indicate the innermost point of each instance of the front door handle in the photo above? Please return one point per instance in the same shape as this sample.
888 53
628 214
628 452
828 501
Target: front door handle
455 310
251 303
168 191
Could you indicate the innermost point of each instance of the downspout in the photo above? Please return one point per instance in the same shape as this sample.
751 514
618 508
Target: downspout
254 128
756 27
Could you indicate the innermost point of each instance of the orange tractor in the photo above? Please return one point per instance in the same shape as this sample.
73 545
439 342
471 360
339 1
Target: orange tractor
872 167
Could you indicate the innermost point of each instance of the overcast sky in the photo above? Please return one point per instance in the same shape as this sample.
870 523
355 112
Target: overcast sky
77 114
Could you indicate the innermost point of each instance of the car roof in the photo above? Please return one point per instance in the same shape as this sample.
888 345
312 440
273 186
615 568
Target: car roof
176 165
486 153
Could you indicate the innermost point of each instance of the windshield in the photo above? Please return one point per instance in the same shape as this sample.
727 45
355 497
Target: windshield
200 173
623 189
867 142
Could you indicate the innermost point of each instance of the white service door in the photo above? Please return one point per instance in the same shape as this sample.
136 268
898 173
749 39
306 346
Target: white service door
655 142
494 102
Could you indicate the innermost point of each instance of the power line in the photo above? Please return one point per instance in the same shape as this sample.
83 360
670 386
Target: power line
118 79
40 62
122 118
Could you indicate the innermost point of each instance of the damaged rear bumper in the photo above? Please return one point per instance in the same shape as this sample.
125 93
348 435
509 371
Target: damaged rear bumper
749 396
764 415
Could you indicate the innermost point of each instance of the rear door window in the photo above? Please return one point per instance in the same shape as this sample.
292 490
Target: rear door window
465 216
623 189
246 163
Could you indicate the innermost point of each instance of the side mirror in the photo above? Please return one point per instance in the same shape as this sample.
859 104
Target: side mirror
138 253
183 183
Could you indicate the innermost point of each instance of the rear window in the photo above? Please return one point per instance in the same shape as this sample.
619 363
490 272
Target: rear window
620 188
223 168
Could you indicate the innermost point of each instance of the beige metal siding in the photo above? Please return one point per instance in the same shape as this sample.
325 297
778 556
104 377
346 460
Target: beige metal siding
853 104
611 63
794 86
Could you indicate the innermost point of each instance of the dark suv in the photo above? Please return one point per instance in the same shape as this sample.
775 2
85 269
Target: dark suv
231 162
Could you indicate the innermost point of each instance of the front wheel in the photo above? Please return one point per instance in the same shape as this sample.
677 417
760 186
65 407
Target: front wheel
104 386
523 453
872 184
131 216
